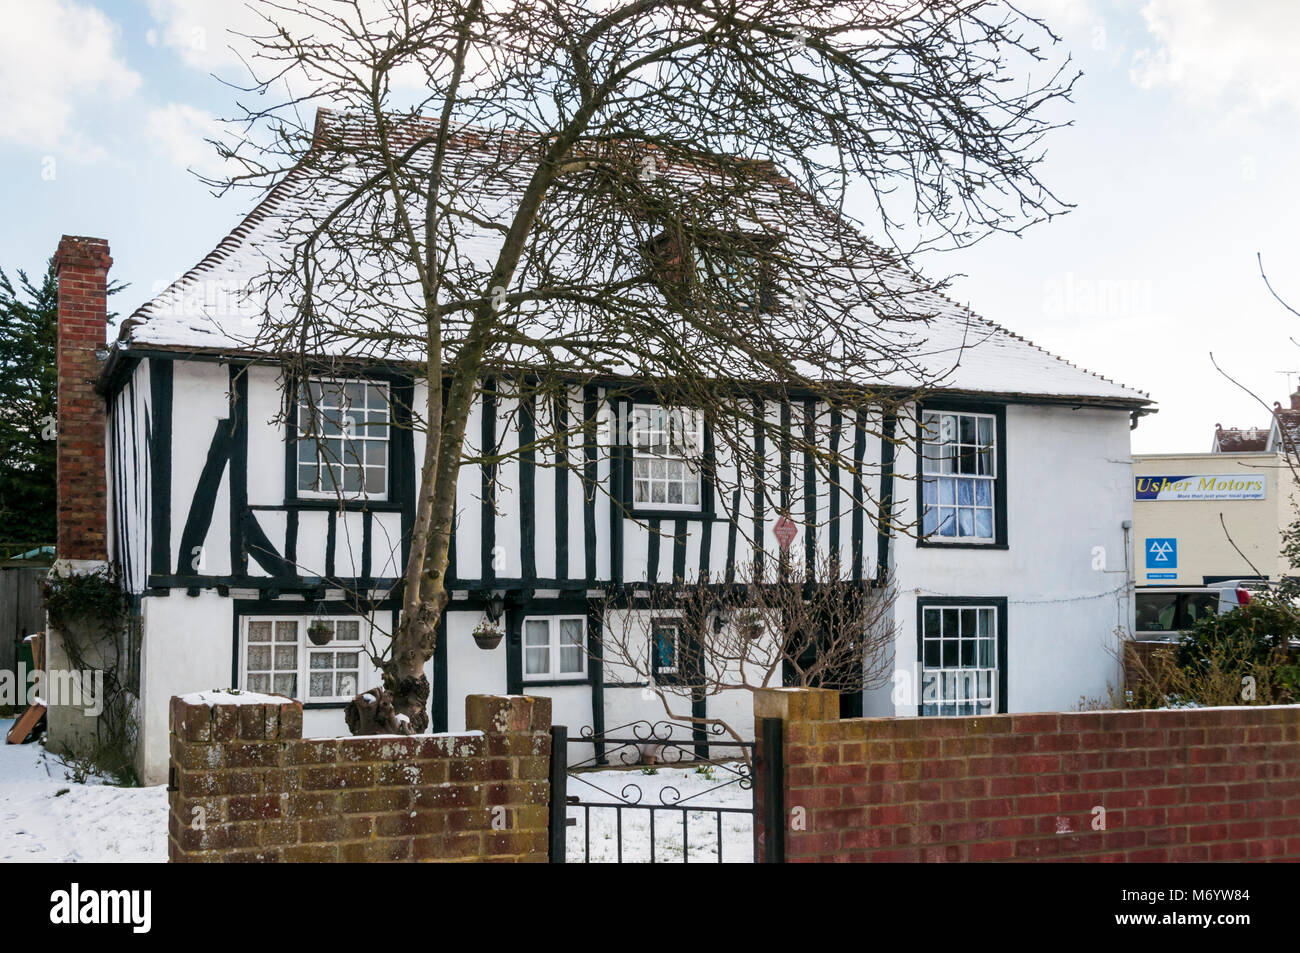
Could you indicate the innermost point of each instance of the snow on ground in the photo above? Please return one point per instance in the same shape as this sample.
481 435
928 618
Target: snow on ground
47 818
653 795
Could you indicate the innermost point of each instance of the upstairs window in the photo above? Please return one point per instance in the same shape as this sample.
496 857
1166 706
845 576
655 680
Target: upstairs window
667 458
737 279
343 440
959 455
726 272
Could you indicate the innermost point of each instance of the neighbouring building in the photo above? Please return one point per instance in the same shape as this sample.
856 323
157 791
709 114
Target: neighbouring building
1205 519
184 473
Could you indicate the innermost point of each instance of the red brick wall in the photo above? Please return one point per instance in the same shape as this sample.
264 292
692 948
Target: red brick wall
246 786
82 267
1185 785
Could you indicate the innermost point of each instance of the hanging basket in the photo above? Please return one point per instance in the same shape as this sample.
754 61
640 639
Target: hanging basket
320 633
750 626
488 636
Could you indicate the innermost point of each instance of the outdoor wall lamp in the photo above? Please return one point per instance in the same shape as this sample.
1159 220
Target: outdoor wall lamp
496 605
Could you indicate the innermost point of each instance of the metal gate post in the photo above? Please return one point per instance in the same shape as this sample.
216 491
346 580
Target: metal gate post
559 788
772 767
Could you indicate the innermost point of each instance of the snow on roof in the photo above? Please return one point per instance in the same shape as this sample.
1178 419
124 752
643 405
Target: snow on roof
1239 439
218 304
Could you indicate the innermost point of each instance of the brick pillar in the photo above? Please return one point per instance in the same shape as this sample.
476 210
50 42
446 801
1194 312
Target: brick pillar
797 710
81 265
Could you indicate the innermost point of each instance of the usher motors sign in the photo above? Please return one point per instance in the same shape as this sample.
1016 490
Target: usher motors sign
1231 487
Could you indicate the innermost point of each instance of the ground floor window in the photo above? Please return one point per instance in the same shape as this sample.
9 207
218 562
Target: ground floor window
555 647
311 658
665 645
962 649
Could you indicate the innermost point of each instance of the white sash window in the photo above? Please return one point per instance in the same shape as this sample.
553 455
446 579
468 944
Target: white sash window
343 440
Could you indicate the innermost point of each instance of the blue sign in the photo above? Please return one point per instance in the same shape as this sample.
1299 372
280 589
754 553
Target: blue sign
1162 553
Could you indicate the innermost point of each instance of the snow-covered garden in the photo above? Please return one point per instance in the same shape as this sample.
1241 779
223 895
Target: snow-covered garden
46 816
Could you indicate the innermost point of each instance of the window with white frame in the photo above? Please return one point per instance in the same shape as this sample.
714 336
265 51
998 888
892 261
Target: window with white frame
311 658
555 647
958 476
343 439
959 660
667 457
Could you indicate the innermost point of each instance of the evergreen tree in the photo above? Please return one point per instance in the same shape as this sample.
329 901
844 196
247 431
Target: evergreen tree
28 402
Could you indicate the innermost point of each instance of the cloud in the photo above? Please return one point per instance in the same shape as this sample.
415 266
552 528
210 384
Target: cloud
180 131
57 57
1240 53
1062 15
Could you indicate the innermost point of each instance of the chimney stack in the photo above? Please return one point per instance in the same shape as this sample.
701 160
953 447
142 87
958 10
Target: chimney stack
1295 399
81 265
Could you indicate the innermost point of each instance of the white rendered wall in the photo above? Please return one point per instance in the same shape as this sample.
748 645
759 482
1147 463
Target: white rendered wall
1064 573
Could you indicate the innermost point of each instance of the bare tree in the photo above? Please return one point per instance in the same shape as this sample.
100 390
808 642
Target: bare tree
780 624
524 197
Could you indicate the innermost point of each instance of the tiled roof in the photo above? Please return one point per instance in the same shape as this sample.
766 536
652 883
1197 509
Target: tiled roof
217 304
1238 440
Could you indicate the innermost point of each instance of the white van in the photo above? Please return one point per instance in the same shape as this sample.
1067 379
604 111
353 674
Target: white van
1163 612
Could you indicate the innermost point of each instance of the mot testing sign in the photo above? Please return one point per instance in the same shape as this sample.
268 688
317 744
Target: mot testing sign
1162 556
1234 486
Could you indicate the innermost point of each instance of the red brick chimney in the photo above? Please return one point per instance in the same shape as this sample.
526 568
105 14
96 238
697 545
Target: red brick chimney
81 265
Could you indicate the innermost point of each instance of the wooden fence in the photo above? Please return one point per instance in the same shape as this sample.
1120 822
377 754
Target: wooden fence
21 613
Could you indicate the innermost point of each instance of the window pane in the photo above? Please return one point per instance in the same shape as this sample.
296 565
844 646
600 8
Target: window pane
537 632
1156 611
322 684
286 632
259 658
286 657
930 520
571 632
1198 605
537 661
259 632
967 432
665 647
932 653
286 685
259 683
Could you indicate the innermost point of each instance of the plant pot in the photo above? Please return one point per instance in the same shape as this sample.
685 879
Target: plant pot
320 634
488 640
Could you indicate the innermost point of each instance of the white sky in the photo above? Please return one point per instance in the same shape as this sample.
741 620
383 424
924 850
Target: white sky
1181 161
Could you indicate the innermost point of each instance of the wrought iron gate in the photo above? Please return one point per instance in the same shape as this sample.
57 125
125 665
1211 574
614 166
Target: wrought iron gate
652 792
